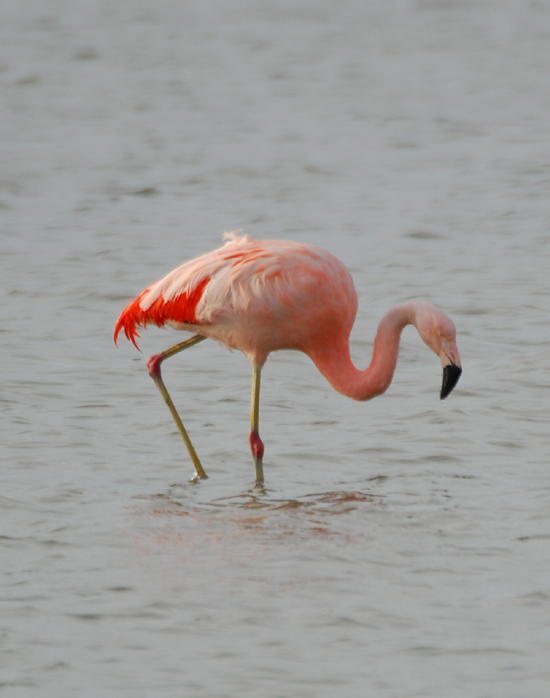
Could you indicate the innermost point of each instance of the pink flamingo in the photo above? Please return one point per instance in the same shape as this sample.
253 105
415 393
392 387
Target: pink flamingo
263 296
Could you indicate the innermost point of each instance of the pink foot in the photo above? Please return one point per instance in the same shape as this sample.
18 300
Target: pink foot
153 365
256 445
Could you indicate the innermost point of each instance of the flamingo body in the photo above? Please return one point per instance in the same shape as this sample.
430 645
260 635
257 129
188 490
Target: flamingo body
264 296
255 296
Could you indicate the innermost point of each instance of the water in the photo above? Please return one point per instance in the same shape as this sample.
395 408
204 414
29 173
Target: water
402 546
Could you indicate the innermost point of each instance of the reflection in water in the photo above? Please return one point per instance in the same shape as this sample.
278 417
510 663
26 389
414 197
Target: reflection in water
329 503
240 523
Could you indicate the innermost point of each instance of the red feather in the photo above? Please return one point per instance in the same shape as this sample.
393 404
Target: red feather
179 309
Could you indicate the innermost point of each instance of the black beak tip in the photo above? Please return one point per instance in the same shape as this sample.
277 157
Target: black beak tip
451 374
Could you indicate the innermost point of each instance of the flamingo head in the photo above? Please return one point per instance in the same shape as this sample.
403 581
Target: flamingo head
438 332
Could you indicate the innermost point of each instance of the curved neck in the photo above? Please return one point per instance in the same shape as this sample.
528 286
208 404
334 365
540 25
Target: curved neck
334 361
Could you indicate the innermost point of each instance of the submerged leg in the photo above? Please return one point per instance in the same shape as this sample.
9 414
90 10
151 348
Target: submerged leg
153 364
256 444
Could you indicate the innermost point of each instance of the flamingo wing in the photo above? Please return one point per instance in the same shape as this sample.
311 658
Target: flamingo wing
251 291
156 305
180 298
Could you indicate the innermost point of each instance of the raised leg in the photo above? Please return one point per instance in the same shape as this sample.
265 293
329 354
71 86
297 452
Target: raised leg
153 364
256 444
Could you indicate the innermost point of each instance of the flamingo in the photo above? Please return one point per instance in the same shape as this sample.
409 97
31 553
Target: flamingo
260 296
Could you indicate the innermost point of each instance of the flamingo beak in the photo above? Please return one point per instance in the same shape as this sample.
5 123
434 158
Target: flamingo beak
451 370
451 374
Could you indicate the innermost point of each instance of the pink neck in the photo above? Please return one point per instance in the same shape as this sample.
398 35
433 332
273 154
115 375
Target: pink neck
334 361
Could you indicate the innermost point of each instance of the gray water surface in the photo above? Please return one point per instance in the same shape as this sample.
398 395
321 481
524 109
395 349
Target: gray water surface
402 547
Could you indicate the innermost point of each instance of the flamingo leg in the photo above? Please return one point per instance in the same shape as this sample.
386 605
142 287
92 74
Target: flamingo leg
256 444
153 364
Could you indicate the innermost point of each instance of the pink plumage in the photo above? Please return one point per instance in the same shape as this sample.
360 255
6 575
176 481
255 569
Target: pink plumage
264 296
256 296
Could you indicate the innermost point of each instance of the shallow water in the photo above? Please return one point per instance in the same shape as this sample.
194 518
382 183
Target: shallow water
402 545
